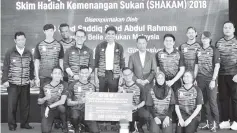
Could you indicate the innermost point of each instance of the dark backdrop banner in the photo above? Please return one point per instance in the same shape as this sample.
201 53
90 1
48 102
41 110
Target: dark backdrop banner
152 18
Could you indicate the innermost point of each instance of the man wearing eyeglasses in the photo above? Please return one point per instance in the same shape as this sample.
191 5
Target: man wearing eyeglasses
78 55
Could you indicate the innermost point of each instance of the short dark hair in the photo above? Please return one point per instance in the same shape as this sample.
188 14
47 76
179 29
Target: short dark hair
190 27
57 67
112 28
48 26
141 37
81 30
191 72
169 35
229 22
84 67
19 33
126 68
63 25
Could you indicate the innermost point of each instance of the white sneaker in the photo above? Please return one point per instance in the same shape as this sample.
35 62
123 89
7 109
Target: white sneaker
234 126
225 125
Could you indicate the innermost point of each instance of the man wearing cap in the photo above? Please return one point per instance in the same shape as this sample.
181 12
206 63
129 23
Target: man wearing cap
206 72
227 79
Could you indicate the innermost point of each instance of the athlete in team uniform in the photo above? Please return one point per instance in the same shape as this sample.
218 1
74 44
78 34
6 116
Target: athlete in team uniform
206 72
140 114
189 49
189 100
55 95
77 55
48 54
76 100
171 62
163 105
227 79
67 41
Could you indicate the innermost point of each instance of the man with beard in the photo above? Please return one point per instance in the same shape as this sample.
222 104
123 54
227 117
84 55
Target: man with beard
189 49
66 41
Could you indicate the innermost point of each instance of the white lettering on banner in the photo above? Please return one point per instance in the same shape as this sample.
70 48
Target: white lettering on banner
152 50
118 28
25 6
104 20
149 37
90 28
95 37
123 37
132 5
161 28
96 6
151 4
134 28
51 5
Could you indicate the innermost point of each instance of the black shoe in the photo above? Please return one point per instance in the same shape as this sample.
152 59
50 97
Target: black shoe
27 126
57 125
12 128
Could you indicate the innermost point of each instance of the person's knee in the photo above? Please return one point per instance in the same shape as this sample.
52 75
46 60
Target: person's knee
62 109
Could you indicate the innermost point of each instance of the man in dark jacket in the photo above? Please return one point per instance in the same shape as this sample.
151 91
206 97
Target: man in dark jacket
18 71
109 61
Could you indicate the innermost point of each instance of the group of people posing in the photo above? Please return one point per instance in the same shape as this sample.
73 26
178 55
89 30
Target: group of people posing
168 87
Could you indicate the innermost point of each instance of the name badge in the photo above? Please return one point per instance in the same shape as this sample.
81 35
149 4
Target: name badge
162 56
48 92
59 91
44 48
199 54
79 89
185 49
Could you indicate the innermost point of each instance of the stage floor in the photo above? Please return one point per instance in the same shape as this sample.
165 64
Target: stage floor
4 129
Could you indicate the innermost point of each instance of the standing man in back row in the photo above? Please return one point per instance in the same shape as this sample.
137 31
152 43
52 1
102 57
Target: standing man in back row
143 63
109 61
78 55
48 54
18 74
189 49
227 79
67 41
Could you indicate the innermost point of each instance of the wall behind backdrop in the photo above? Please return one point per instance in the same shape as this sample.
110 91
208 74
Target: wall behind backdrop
152 18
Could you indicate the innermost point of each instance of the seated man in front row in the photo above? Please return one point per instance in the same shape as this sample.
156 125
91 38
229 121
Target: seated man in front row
55 93
76 100
139 96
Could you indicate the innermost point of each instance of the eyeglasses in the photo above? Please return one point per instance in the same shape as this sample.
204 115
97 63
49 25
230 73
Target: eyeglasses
127 74
79 36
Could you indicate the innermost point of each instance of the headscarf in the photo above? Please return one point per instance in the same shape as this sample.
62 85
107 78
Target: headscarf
161 91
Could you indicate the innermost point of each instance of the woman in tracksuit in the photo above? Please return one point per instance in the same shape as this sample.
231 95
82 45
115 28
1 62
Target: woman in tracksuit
163 105
188 105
